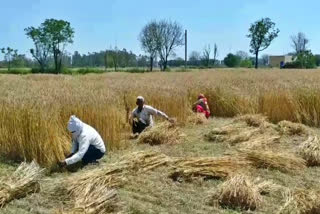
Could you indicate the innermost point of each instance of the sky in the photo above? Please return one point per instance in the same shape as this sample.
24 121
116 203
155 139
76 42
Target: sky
101 24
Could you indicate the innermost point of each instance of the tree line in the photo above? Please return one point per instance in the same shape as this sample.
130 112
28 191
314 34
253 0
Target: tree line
159 40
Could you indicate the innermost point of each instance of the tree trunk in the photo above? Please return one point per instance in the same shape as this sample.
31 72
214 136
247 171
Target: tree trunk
9 65
257 53
55 57
115 64
59 64
151 63
41 67
165 63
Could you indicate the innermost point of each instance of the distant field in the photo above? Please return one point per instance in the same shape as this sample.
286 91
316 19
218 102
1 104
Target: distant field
34 109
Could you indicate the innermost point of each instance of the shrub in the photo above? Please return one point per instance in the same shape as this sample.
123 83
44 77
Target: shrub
303 60
16 71
136 70
232 60
247 63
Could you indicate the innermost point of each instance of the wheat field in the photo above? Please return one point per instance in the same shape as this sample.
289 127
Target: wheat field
34 109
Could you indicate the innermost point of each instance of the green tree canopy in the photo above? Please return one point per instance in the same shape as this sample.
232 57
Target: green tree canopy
50 38
261 33
232 60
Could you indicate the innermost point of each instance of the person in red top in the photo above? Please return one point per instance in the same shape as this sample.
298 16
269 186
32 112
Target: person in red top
201 106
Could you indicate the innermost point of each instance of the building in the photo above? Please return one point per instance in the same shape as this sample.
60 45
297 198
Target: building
279 61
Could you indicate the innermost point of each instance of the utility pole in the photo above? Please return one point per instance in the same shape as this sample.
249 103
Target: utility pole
186 50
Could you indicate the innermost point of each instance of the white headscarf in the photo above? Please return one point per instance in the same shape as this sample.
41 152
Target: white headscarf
140 98
75 126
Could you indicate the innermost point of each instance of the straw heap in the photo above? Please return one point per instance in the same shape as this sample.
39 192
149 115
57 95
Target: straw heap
207 168
310 151
24 181
162 133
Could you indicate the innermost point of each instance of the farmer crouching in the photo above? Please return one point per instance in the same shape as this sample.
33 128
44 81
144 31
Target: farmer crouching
201 106
87 144
141 116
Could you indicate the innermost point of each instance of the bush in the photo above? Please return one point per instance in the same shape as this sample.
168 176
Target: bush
16 71
232 60
303 60
247 63
47 71
136 70
83 71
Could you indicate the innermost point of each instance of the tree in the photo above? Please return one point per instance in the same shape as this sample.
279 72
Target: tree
114 56
261 33
194 58
169 35
77 60
306 59
243 55
299 43
317 57
42 45
206 55
51 37
265 59
106 60
59 34
9 55
232 60
215 53
148 40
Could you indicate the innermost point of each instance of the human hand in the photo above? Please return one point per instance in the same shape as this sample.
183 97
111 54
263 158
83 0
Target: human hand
171 120
70 155
62 164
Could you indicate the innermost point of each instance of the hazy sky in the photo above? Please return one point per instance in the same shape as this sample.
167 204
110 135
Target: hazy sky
100 24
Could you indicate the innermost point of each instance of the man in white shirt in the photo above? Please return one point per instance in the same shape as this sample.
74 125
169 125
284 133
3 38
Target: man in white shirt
142 116
87 144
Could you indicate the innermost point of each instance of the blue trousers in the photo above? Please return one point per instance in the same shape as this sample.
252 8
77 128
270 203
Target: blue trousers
92 155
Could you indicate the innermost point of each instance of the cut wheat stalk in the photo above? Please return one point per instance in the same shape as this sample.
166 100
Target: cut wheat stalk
283 162
24 181
290 128
163 133
310 151
254 120
301 201
238 192
197 119
207 168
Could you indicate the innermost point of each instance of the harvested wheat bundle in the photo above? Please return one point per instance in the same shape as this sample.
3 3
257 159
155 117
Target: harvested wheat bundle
145 160
221 134
310 151
163 133
86 189
280 161
113 175
260 142
289 128
24 181
255 120
266 187
102 200
243 136
301 201
238 192
110 177
197 119
207 168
